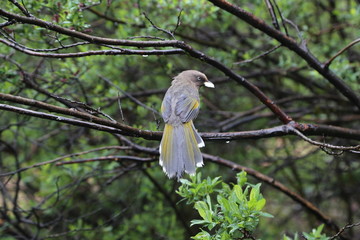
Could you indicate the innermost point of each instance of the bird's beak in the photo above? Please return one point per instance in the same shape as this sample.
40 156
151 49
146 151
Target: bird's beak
209 84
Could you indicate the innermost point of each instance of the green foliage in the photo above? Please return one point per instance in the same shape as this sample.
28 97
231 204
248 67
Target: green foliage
234 213
315 234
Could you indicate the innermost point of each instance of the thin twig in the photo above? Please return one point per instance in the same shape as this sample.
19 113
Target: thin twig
21 7
114 20
159 28
282 18
321 145
63 157
106 158
123 171
129 95
270 7
344 228
328 62
298 32
260 55
178 22
2 25
121 112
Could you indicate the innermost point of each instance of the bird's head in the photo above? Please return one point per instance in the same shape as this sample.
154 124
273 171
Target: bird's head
196 77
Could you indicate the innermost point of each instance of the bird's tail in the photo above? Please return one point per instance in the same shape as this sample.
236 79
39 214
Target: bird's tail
179 149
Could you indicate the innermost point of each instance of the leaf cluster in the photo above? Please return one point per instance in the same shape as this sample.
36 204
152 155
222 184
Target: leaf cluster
315 234
233 214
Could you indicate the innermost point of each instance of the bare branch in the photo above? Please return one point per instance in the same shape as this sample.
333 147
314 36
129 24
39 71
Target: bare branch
7 23
270 7
121 112
322 145
328 62
178 23
107 158
111 19
91 53
159 28
344 228
21 7
282 18
260 55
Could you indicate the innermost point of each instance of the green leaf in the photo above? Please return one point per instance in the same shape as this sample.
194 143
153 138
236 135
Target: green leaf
203 235
260 204
224 203
198 222
238 192
203 210
265 214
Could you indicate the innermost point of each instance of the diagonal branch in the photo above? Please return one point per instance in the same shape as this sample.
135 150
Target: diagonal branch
328 62
290 43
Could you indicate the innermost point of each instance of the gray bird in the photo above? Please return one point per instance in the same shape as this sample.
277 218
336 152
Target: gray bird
179 147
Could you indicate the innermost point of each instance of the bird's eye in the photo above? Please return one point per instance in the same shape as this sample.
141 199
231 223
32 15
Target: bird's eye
199 78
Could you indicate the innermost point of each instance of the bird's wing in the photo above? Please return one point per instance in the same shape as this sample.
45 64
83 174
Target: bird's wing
187 108
166 108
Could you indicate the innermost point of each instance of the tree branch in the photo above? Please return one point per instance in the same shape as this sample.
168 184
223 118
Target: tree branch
344 228
328 62
292 45
7 23
22 8
106 158
105 125
122 51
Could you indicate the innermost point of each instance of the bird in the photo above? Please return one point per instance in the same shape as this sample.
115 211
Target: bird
180 144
